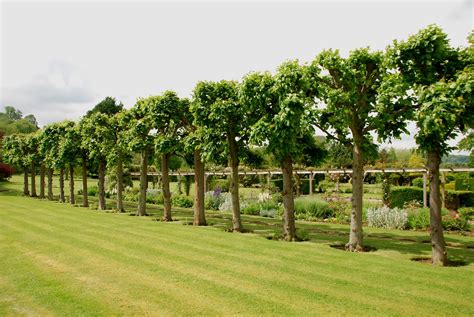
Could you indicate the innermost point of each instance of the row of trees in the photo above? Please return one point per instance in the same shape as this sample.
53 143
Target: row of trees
351 99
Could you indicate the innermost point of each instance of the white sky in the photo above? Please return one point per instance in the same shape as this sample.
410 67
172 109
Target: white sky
59 59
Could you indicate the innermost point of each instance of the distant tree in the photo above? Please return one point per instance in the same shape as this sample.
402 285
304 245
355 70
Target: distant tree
108 106
12 113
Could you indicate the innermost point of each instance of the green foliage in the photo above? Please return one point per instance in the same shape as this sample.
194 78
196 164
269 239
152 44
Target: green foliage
455 223
109 106
15 150
311 208
181 201
399 196
12 122
418 182
466 212
464 184
215 184
418 218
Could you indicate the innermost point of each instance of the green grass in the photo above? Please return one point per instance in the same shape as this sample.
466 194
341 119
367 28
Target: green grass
60 260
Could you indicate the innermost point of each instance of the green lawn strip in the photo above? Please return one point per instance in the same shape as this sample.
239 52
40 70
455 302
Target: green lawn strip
341 253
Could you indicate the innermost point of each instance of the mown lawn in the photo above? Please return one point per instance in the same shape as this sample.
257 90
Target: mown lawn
56 259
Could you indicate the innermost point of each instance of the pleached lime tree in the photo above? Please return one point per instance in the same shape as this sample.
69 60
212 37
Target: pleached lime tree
70 151
222 124
95 135
166 113
14 151
440 80
281 105
32 157
358 95
118 153
140 137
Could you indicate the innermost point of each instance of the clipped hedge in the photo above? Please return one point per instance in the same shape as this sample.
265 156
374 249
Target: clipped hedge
457 198
400 195
464 184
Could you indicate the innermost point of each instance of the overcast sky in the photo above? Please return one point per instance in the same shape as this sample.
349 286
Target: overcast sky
59 59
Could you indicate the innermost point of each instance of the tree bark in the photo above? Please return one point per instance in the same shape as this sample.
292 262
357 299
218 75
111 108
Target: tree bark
120 185
85 194
234 183
102 204
42 180
289 229
50 184
141 211
438 245
199 216
72 198
165 183
61 185
26 190
355 236
33 179
187 184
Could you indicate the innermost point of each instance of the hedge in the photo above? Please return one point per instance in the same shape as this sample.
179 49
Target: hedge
400 195
464 184
457 198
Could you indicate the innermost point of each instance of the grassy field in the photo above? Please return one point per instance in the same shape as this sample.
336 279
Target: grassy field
56 259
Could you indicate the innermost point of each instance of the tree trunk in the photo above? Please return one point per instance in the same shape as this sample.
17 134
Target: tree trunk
187 184
42 181
33 179
199 216
85 194
355 236
180 185
50 184
165 181
234 183
61 185
443 191
289 229
141 211
102 204
26 190
120 185
72 198
438 245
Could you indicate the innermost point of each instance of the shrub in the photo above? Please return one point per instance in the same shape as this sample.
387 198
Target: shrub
401 195
384 217
464 184
311 208
418 182
251 209
6 171
325 185
181 201
270 213
456 199
92 191
418 218
213 200
466 212
302 235
341 210
221 184
226 202
455 223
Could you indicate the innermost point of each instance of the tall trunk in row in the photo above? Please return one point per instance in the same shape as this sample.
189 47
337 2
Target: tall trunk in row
85 194
61 185
50 184
438 245
26 190
33 179
72 198
42 181
199 216
234 182
289 229
187 184
141 211
165 181
355 236
120 185
101 185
